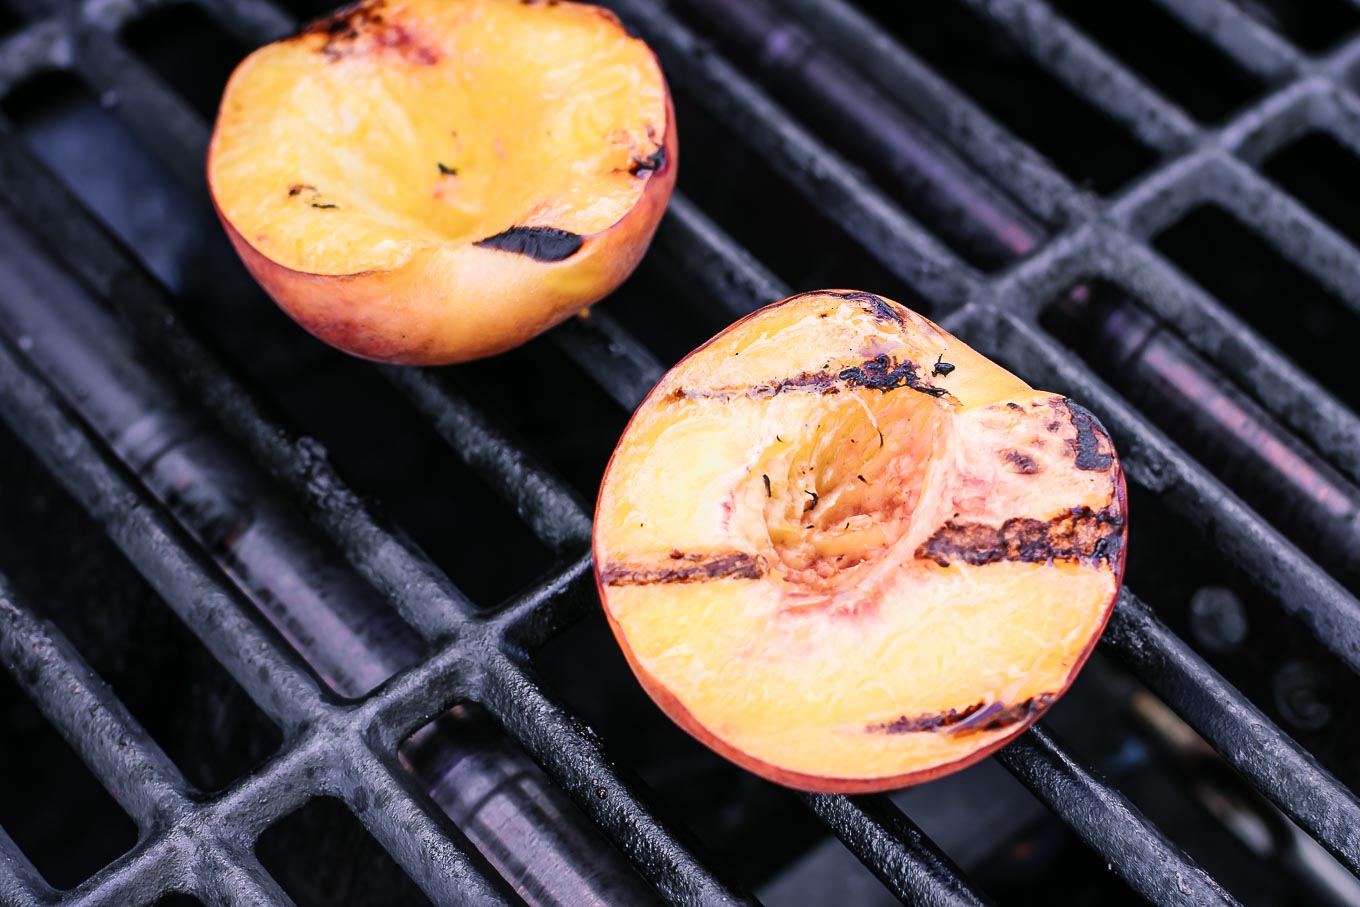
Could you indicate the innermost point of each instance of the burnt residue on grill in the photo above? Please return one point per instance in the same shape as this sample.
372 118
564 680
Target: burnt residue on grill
546 244
685 568
976 718
362 26
1081 534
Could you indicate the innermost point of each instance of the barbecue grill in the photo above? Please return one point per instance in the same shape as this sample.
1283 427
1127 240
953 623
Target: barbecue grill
402 645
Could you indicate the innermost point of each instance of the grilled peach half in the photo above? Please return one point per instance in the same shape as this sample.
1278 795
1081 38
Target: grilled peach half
432 181
849 553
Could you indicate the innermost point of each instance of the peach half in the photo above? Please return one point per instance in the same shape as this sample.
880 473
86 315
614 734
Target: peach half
433 181
849 553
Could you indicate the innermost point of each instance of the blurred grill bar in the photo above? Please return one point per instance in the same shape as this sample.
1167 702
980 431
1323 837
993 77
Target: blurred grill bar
480 659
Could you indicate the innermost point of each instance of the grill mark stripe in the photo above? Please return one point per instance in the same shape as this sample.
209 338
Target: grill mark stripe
880 373
1080 534
546 244
685 568
973 719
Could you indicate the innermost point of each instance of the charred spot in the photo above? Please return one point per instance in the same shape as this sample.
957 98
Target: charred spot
1053 426
446 170
913 724
768 492
654 161
941 368
874 305
1090 433
1081 534
976 718
812 504
546 244
1015 406
1023 463
348 26
685 568
880 373
315 199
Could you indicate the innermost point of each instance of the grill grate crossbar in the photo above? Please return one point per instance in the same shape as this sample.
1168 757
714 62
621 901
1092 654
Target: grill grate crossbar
1246 738
89 716
1142 856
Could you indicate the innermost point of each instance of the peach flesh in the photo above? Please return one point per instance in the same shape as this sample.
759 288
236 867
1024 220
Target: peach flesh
845 568
411 187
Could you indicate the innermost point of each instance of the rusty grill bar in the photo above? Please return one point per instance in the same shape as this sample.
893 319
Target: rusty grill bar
203 845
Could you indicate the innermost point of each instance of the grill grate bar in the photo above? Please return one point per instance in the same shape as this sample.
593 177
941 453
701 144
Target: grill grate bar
424 843
529 623
20 883
1248 740
1110 824
1250 44
833 186
703 250
422 595
139 876
160 119
34 401
1251 545
238 880
898 852
573 756
272 675
89 716
1287 393
265 668
30 50
542 500
1283 391
1091 73
946 111
612 358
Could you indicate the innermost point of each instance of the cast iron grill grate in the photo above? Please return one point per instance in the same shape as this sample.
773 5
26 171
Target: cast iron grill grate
345 748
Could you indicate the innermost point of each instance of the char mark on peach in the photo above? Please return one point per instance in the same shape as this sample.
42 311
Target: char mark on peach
1023 463
1090 434
348 26
880 373
652 162
685 568
547 244
873 305
1082 534
973 719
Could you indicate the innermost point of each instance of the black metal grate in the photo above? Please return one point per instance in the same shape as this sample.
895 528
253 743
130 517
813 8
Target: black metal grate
346 749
